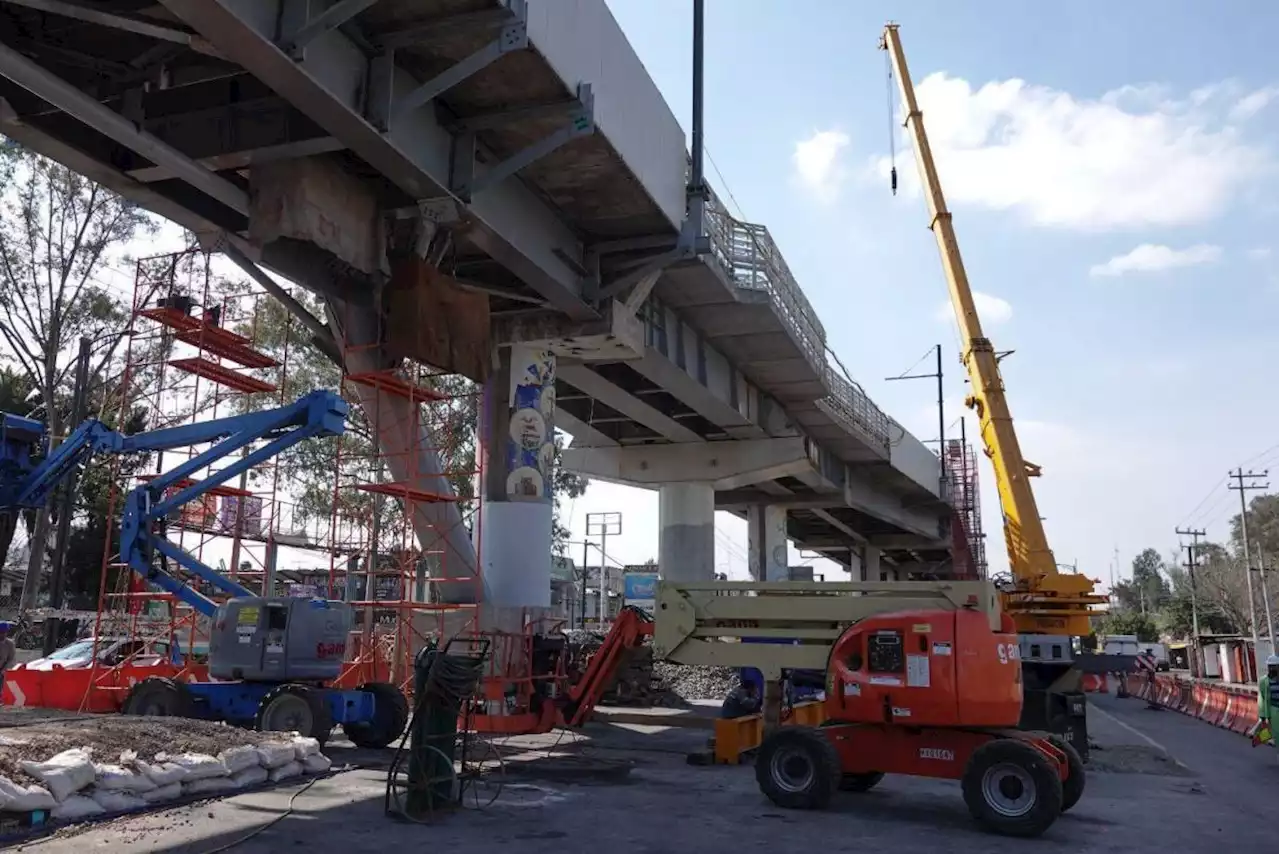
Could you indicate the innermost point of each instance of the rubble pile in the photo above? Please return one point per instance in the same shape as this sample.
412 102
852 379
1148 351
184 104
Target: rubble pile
77 769
640 681
691 682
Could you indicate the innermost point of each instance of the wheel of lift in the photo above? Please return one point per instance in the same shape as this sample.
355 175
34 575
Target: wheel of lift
295 708
160 697
390 717
1011 788
860 782
1073 786
798 768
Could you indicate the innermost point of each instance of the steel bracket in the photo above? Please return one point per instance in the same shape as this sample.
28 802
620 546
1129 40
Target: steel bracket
513 36
466 183
304 28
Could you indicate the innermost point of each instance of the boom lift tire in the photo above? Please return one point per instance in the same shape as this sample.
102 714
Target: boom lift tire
1073 786
390 717
1012 789
160 697
798 768
860 782
295 708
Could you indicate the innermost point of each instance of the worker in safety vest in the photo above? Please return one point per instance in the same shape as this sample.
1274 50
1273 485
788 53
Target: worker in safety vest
743 700
1269 694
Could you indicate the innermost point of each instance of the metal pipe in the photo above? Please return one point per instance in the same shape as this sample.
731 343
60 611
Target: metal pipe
117 22
109 123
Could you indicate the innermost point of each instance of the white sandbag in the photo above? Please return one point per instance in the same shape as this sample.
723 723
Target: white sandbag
254 776
199 766
237 759
162 773
17 798
317 764
76 807
208 786
116 801
284 772
63 774
117 778
275 755
160 794
304 747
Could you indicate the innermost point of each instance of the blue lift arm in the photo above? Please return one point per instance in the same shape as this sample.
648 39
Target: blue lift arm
320 413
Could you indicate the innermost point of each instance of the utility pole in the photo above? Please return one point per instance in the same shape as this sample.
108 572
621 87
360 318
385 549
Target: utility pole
582 600
604 525
1245 481
1192 548
942 426
67 504
1266 599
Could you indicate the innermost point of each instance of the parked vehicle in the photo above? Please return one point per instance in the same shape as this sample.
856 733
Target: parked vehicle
111 652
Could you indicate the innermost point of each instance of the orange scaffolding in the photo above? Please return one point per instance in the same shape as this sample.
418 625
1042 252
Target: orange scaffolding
204 346
389 544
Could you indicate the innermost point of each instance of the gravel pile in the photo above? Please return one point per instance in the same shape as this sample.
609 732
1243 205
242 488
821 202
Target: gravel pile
109 735
690 682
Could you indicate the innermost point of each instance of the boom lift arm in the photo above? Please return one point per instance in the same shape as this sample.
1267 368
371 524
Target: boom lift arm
320 413
1041 600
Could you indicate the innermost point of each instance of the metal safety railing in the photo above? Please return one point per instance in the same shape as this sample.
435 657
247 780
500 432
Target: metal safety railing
750 259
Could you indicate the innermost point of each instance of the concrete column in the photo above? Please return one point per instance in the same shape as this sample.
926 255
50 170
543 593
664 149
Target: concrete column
870 563
687 531
515 517
767 542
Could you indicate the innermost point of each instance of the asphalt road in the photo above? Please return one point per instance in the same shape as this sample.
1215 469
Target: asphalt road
1162 782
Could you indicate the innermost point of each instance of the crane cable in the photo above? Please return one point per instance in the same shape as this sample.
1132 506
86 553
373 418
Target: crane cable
893 154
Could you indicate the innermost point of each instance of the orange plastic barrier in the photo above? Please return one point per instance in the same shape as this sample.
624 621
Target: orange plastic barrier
1233 707
1095 683
86 689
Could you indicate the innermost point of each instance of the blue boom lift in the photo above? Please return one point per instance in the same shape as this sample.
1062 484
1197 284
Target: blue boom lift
272 657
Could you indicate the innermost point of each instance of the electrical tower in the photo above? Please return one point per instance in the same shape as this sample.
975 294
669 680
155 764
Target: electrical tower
1245 481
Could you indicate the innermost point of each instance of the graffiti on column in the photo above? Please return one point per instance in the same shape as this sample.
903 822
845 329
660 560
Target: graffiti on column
531 444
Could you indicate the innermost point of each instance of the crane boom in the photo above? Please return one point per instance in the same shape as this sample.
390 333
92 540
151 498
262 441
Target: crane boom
1041 600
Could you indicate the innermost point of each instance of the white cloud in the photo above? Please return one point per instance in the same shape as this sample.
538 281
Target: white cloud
1252 104
1259 252
991 310
1153 258
1135 157
817 163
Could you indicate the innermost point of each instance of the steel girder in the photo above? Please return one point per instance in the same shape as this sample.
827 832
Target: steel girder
507 220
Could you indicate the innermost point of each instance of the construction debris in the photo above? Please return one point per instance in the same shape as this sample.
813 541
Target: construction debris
640 681
690 682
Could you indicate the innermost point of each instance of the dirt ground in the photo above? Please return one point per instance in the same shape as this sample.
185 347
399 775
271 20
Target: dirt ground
1160 782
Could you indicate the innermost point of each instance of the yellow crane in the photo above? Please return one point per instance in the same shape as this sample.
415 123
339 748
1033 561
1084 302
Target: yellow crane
1040 599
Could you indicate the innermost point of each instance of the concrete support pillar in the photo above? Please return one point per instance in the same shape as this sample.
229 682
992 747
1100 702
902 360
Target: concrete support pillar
687 531
870 563
516 514
767 542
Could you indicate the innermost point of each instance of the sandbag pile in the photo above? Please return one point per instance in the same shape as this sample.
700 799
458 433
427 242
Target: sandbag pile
72 786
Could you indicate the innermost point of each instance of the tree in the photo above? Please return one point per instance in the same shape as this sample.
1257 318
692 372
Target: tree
1129 623
57 230
1147 590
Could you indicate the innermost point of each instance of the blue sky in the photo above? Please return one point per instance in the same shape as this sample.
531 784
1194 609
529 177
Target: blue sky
1113 179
